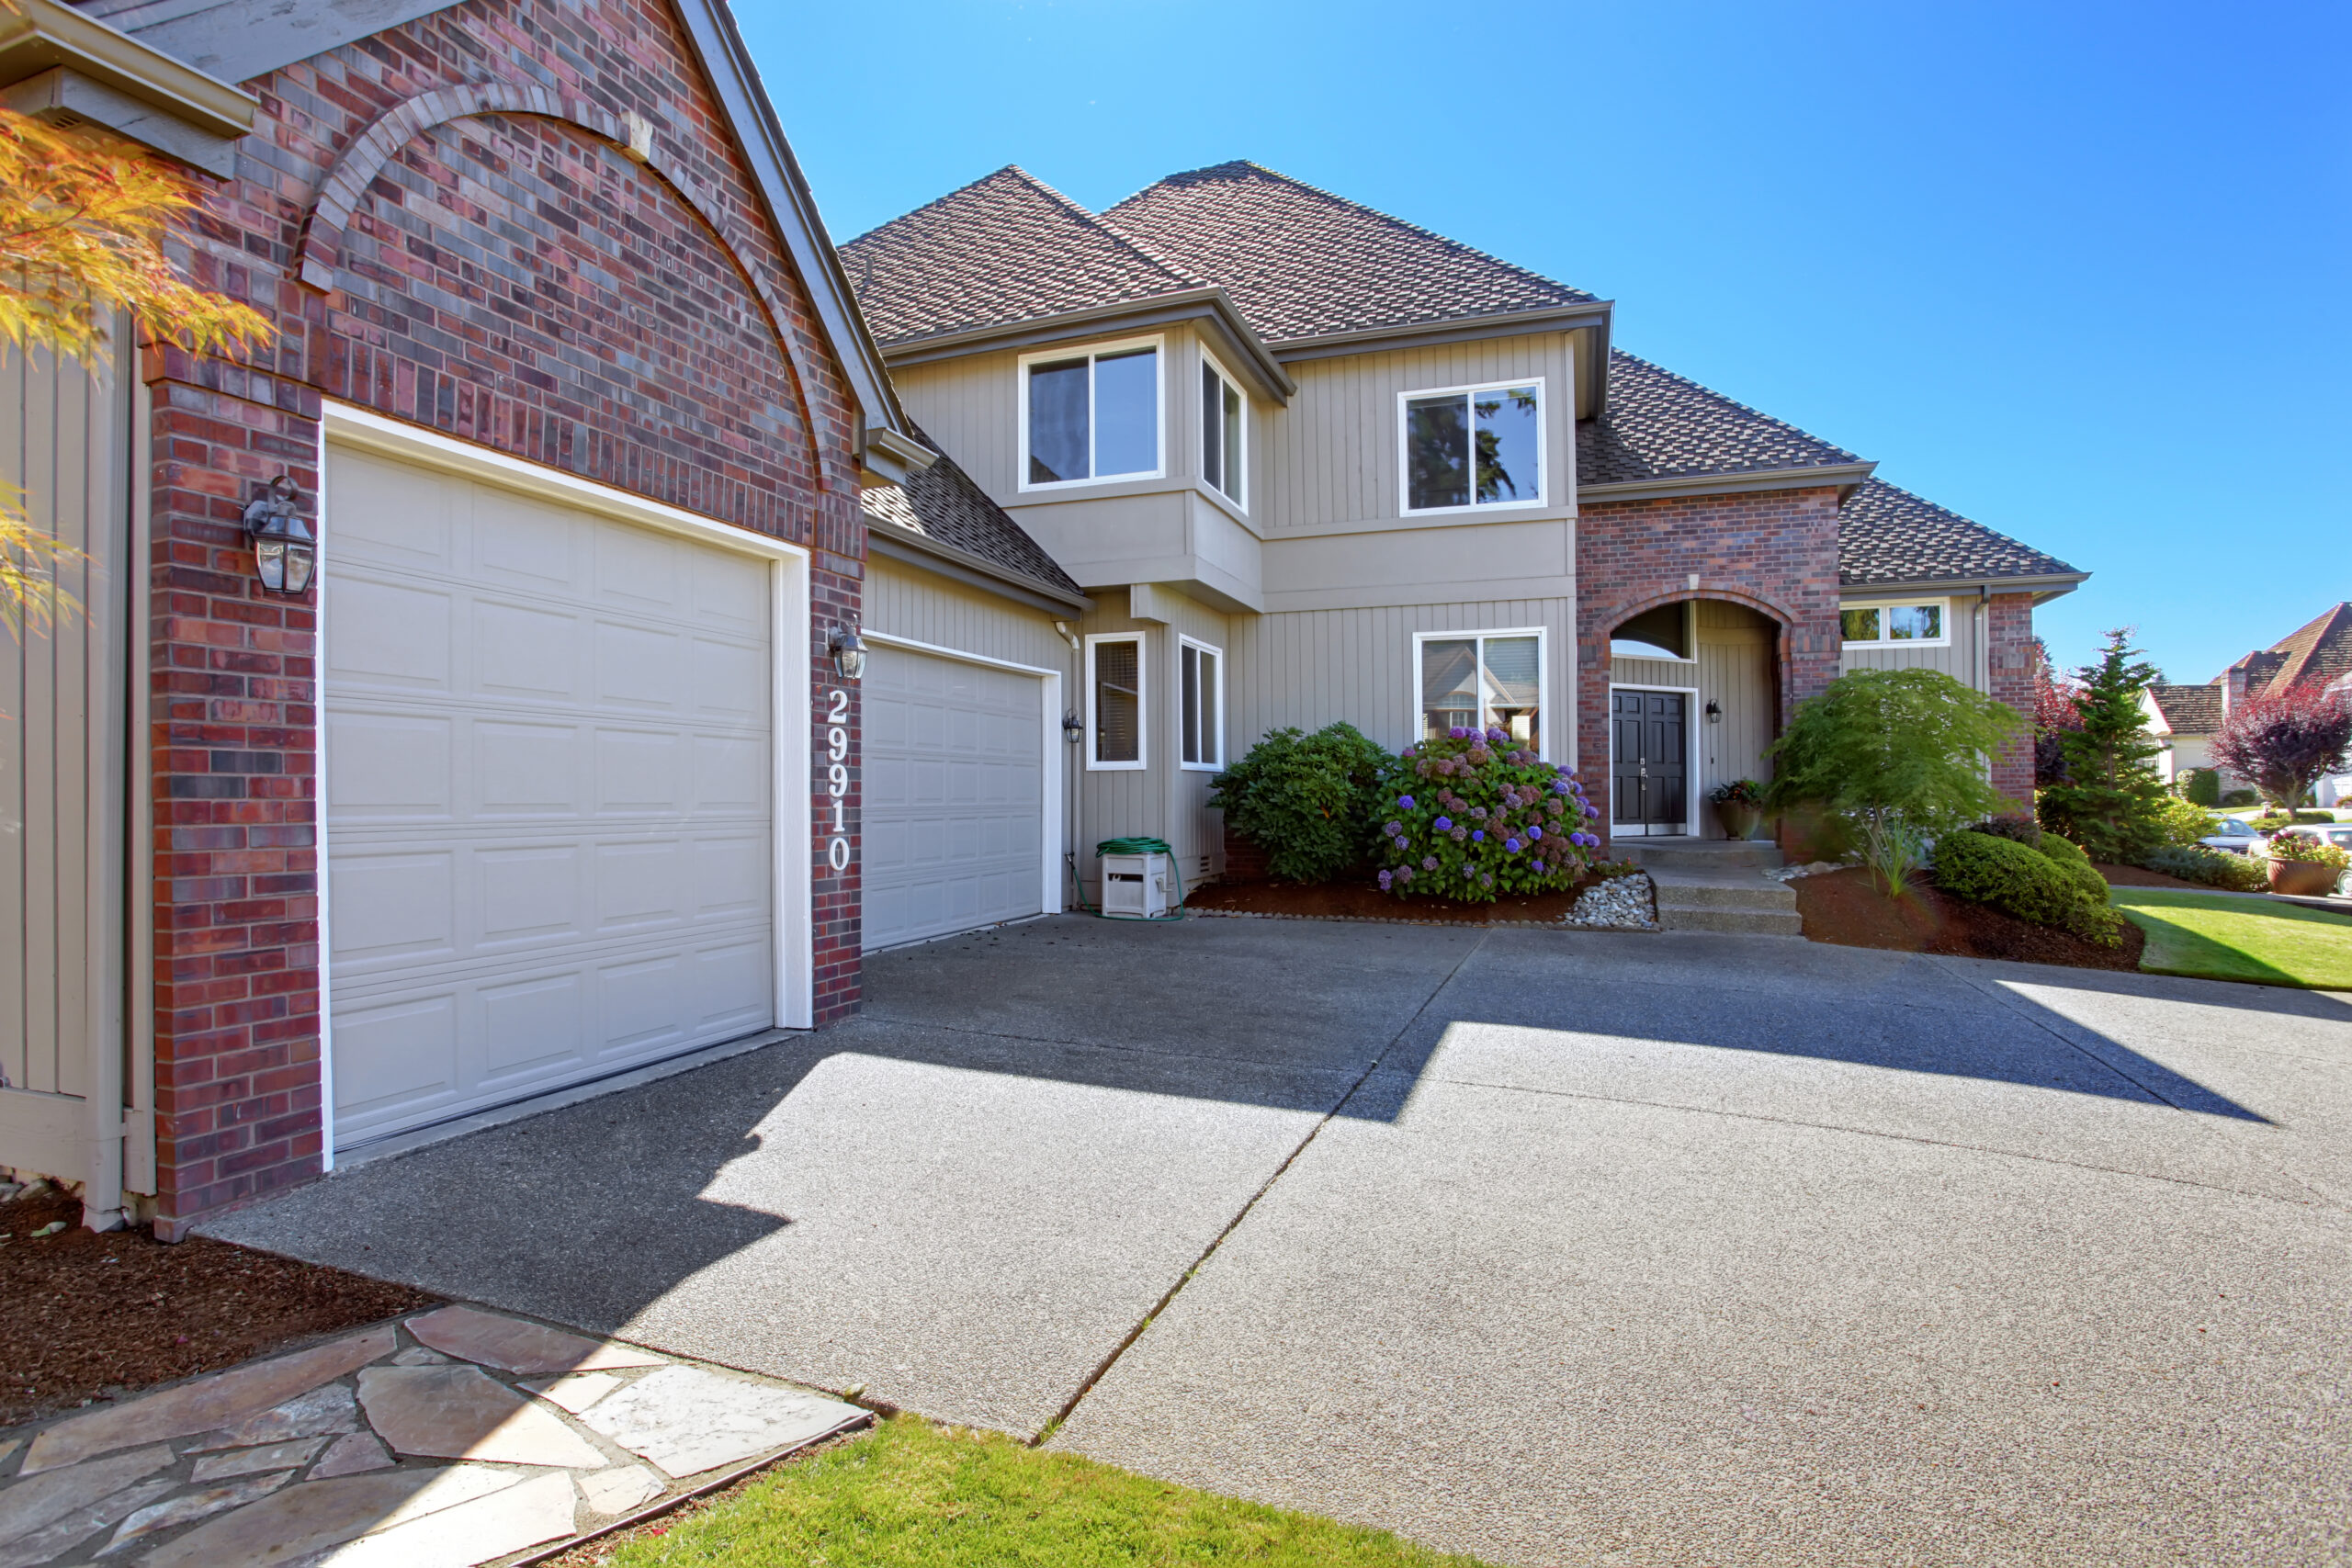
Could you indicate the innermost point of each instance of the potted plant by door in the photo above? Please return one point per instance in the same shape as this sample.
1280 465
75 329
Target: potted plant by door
1739 808
2301 864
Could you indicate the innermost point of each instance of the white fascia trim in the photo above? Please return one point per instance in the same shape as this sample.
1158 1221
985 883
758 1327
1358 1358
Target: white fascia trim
1542 635
1826 475
1542 450
959 655
1689 751
1143 707
1183 642
1885 644
1158 344
1239 503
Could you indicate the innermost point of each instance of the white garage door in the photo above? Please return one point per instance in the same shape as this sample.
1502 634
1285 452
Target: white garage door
547 781
955 795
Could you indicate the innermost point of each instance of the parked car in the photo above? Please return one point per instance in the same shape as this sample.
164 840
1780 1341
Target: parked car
2232 834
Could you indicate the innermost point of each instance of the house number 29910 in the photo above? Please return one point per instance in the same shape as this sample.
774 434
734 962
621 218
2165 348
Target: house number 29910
837 775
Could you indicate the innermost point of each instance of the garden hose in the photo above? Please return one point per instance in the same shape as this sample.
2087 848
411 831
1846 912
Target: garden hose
1132 846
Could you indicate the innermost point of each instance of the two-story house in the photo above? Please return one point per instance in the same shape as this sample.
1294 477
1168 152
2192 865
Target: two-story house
1307 462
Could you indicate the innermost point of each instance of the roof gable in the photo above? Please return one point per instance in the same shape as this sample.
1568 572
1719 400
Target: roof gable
945 505
1887 535
1659 425
1300 262
2314 655
1005 248
2188 710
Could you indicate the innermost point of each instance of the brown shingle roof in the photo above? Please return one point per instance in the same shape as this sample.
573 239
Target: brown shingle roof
1299 261
1006 248
943 504
2313 656
2189 710
1888 534
1662 427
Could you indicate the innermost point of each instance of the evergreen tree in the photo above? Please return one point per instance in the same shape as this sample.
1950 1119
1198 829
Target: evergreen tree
2110 801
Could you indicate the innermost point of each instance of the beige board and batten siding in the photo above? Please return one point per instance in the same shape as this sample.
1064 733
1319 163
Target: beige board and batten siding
904 601
1962 660
1737 650
1163 799
64 436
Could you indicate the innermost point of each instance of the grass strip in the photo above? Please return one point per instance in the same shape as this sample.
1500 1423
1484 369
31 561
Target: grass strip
915 1494
2215 937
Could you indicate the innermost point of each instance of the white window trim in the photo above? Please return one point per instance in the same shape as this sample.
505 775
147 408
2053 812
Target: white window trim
1092 352
1143 705
1546 722
1405 507
1691 715
1239 499
1882 644
1689 640
1182 643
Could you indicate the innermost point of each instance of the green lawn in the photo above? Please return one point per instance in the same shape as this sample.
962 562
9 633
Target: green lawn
911 1495
2218 937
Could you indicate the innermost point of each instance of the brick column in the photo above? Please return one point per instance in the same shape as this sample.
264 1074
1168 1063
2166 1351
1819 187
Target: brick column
2009 655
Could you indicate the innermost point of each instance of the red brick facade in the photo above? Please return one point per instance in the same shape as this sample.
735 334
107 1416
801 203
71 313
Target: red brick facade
2010 655
485 256
1774 551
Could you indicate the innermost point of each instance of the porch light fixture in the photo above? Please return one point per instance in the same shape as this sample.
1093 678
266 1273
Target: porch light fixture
1073 728
1714 711
848 651
285 552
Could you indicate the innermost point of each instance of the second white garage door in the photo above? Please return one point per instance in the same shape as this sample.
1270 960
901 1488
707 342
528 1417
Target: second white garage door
548 772
955 815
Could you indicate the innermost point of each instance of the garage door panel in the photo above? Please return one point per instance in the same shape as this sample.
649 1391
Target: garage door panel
391 513
550 852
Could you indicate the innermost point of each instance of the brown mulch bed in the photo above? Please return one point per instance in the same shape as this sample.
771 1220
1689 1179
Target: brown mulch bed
1847 908
1360 898
2138 876
89 1316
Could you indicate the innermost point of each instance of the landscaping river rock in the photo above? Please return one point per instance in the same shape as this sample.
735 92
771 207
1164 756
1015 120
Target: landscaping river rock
1622 903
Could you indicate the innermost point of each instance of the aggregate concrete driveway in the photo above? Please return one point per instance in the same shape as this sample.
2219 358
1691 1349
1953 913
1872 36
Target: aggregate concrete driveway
1554 1247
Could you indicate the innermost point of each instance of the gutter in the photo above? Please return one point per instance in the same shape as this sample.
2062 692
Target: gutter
892 542
69 68
1151 311
1847 476
2045 585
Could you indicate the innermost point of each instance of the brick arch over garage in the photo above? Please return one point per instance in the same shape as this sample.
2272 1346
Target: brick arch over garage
327 230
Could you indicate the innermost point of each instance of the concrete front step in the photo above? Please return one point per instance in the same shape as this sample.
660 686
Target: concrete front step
1722 893
1735 922
1698 855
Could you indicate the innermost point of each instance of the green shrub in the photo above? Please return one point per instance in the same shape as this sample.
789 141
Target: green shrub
2070 858
2238 797
1306 800
2271 821
2016 829
2203 786
2212 868
1467 818
2182 822
2043 888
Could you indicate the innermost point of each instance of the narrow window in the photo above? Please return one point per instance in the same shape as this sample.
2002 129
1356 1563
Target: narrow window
1093 416
1915 622
1202 717
1481 447
1224 461
1475 681
1861 625
1115 692
1894 625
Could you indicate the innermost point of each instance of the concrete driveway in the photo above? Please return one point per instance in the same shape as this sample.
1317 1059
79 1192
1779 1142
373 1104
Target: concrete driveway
1554 1247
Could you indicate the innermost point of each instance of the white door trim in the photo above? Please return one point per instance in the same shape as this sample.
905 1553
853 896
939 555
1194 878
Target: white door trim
795 968
1049 687
1690 752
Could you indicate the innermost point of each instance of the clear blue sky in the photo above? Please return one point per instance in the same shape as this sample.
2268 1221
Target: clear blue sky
2083 273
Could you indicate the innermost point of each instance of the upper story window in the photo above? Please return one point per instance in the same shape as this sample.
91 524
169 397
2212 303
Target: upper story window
1924 623
1092 415
1471 446
1225 440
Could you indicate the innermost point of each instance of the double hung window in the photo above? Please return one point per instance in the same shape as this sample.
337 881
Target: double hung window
1092 415
1114 701
1472 446
1224 439
1922 623
1479 679
1201 672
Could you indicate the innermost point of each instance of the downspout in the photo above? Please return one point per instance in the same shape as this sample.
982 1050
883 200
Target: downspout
1073 767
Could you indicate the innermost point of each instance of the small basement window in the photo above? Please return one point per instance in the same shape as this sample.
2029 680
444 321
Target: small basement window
1225 457
1662 632
1201 670
1114 701
1923 623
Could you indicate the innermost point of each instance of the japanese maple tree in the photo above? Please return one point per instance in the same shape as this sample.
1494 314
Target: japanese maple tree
2286 744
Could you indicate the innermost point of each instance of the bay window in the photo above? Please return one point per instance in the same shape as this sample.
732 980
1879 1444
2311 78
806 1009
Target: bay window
1223 440
1093 414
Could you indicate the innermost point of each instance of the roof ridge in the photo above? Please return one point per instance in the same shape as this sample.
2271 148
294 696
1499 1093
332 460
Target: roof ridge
1339 201
1615 353
1073 208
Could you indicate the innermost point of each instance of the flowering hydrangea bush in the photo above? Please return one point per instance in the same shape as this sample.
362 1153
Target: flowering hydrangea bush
1476 816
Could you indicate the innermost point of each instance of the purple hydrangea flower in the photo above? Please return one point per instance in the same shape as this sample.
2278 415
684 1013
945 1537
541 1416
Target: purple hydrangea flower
1443 823
1495 733
1429 862
1534 833
1479 812
1590 809
1479 836
1487 879
1405 875
1459 834
1404 803
1455 732
1560 787
1385 881
1511 846
1391 828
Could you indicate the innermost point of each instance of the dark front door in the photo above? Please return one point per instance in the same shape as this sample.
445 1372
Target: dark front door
1649 766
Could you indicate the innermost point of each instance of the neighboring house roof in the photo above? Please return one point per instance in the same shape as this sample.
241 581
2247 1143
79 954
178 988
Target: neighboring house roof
1301 263
1006 248
1661 426
1887 535
943 504
2314 655
2188 710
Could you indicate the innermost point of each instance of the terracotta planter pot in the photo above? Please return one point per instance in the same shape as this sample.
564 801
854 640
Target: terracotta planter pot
2305 877
1737 818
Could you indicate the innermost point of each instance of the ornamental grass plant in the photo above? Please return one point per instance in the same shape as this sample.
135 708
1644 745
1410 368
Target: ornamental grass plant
1476 816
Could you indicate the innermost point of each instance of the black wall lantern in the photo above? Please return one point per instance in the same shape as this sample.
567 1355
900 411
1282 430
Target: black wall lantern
285 553
1714 711
1073 728
848 651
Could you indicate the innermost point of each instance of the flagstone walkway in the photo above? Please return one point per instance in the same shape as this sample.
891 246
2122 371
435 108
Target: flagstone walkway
451 1438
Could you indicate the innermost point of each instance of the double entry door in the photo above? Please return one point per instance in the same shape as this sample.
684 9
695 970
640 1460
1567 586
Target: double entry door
1649 769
